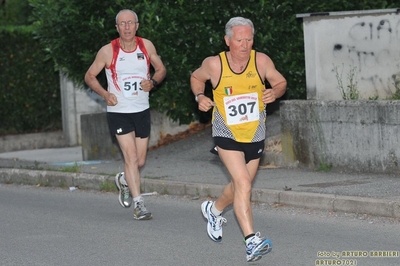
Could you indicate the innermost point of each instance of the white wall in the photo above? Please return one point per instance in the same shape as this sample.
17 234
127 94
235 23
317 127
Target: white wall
367 42
74 103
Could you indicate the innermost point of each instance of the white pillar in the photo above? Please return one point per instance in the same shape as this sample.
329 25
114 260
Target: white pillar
75 102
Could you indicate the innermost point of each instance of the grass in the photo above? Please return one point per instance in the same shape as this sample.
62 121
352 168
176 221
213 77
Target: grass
323 167
71 169
351 91
107 186
208 192
35 166
396 83
154 177
165 191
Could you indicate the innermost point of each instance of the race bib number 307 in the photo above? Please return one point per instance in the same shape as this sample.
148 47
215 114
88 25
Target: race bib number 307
241 108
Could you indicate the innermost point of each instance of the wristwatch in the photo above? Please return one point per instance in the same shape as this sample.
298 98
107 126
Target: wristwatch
196 98
155 83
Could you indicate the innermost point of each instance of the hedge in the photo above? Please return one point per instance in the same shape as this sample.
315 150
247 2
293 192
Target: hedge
184 33
29 85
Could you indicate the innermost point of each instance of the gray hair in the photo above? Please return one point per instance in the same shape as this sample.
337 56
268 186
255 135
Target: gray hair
237 21
124 10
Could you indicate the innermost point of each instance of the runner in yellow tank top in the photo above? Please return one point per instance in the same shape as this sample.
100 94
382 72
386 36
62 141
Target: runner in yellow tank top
237 77
239 111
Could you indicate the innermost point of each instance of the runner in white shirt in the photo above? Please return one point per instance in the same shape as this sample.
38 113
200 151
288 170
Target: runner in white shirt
127 62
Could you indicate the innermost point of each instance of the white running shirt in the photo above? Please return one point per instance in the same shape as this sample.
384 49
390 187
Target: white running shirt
124 75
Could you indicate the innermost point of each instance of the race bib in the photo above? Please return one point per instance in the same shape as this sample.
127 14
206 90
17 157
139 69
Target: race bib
241 108
131 86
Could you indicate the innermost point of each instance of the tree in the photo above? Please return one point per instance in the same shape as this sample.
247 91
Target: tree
14 12
184 33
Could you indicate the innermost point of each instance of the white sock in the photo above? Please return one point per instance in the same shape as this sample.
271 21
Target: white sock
215 211
137 199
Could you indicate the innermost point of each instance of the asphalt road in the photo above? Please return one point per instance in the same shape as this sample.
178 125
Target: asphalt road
53 226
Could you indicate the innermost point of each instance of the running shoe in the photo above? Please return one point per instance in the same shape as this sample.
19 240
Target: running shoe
256 247
140 212
124 195
214 224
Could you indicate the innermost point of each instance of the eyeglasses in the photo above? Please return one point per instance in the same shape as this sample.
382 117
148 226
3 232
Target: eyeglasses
129 22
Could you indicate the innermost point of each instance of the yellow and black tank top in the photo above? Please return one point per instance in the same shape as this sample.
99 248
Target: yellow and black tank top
239 112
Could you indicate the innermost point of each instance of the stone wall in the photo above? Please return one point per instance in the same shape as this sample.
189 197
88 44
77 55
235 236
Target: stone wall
32 141
358 136
98 144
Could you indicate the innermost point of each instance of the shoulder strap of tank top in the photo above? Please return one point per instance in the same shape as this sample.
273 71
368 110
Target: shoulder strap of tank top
140 44
115 47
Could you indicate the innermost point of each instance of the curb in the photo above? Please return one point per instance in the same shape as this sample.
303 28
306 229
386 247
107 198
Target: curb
329 202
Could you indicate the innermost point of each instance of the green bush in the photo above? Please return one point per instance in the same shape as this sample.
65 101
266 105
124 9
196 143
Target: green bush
184 33
15 13
68 33
29 85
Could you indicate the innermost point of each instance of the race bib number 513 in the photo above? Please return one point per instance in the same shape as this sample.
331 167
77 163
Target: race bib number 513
241 108
131 86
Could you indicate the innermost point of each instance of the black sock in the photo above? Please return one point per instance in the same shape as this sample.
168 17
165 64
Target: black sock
247 237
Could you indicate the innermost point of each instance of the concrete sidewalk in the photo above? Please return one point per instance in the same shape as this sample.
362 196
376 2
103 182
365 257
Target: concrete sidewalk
186 167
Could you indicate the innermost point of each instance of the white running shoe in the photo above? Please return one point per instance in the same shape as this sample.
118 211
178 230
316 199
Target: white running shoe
256 247
141 213
124 195
214 224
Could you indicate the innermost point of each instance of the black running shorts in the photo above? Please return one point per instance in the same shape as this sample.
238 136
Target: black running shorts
124 123
251 151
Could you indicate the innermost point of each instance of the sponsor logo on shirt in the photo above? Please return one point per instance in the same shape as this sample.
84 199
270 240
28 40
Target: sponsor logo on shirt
250 74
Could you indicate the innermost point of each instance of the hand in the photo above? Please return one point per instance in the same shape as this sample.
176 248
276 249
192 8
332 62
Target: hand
110 99
205 103
146 85
268 96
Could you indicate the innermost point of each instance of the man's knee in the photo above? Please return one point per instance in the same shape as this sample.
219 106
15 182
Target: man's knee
243 186
141 162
